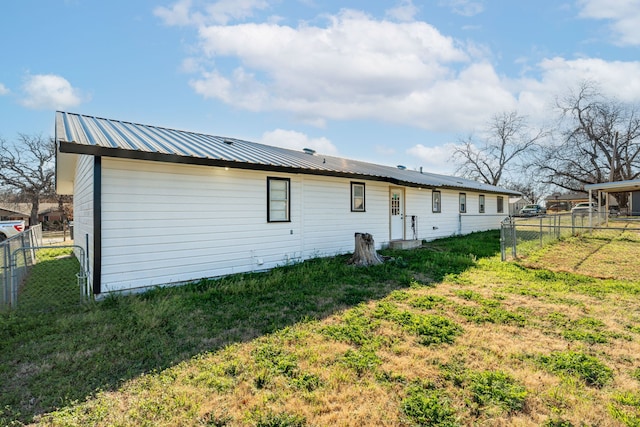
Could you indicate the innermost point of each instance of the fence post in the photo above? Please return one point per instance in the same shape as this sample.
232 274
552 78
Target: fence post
515 239
503 255
5 275
540 232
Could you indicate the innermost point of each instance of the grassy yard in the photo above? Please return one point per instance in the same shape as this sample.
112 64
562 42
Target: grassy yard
445 335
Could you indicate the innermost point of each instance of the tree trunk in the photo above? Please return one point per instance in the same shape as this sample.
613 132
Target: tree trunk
365 251
35 207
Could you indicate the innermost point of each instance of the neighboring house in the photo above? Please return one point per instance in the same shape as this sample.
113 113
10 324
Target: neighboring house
160 206
516 204
569 200
48 213
7 214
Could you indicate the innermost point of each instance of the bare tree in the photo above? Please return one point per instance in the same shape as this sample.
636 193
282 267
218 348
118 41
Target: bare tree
600 141
26 167
532 190
508 139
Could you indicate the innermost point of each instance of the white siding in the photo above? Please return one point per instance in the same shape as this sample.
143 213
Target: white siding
168 223
83 208
165 223
328 223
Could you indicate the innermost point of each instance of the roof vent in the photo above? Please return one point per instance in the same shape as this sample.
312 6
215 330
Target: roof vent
309 151
228 141
401 167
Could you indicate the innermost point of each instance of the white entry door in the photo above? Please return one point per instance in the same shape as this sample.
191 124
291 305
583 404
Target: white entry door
397 213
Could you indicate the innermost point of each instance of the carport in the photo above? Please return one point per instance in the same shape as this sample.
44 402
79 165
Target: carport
611 187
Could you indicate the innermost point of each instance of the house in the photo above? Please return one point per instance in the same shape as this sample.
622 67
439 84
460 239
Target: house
569 200
11 214
157 206
515 204
49 213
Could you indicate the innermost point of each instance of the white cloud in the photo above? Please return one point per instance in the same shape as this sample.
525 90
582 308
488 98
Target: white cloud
405 11
355 67
3 90
222 12
177 15
434 159
49 91
617 79
623 14
297 141
464 7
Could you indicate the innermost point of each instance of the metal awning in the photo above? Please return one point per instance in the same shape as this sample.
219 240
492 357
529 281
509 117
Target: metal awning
611 187
614 187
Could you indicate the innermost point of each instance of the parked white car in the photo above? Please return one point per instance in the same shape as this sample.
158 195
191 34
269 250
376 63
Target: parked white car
10 228
532 210
584 208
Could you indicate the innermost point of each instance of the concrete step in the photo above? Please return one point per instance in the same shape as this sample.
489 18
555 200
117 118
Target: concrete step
405 244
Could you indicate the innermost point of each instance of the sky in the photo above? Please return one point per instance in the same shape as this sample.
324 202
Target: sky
394 82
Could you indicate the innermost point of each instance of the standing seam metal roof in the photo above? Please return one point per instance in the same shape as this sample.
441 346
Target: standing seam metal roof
83 134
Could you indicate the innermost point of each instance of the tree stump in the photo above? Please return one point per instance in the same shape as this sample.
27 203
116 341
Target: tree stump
365 251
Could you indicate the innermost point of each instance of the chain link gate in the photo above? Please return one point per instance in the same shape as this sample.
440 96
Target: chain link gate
45 278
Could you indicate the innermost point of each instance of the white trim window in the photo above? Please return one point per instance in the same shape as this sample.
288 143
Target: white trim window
278 195
500 202
463 202
436 202
357 197
481 203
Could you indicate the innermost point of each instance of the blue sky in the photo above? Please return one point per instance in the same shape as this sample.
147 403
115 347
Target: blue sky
391 82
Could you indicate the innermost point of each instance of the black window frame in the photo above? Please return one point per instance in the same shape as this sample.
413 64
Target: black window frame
433 199
270 179
462 205
500 204
353 196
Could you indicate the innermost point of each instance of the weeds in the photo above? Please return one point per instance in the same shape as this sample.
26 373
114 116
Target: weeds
320 343
430 329
426 406
497 388
626 408
587 368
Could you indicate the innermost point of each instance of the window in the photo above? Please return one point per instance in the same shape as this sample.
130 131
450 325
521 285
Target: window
436 199
463 202
481 203
278 199
500 204
357 197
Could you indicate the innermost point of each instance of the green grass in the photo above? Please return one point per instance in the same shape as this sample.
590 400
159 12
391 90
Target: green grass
444 335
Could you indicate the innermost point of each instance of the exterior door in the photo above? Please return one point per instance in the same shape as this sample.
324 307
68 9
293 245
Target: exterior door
397 213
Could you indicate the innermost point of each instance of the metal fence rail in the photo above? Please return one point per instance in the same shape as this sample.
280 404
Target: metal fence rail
37 277
57 280
521 236
29 238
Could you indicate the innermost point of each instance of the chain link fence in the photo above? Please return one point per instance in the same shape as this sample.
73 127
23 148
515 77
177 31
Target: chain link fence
41 278
521 236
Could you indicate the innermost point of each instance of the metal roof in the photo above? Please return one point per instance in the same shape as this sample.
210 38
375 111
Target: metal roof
616 186
82 134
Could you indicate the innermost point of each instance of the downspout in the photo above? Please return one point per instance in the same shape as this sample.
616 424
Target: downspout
97 225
